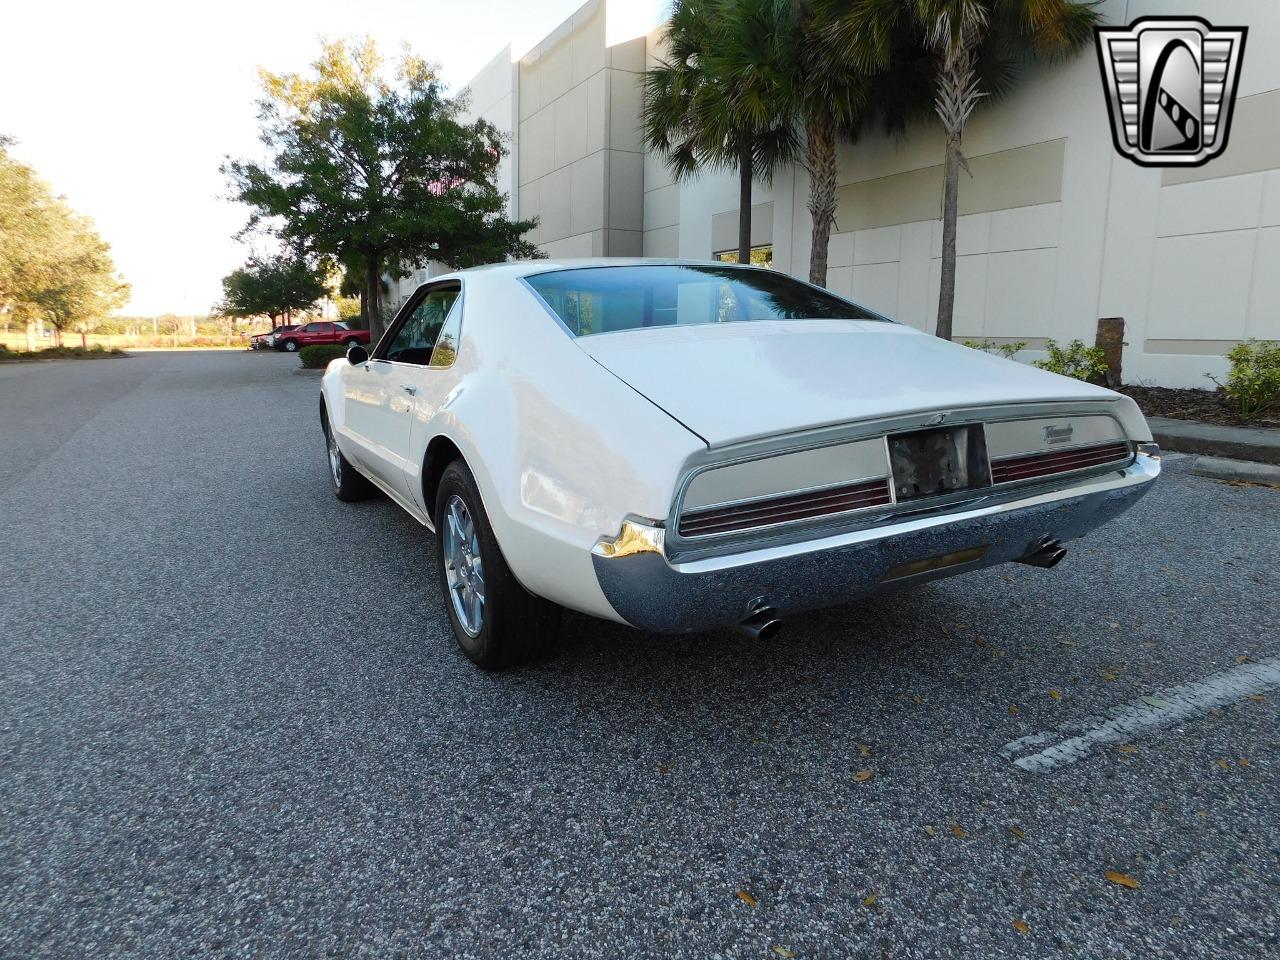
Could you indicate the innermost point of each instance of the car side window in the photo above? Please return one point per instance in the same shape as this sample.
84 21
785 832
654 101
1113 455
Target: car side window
314 327
446 350
415 341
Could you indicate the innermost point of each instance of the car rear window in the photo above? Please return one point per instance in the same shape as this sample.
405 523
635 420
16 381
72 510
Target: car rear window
591 300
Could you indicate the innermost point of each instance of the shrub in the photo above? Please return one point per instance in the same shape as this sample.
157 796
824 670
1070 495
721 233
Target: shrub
317 357
1077 360
1253 382
1006 350
63 353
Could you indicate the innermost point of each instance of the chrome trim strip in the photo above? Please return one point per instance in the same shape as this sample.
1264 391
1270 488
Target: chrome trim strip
888 464
1053 451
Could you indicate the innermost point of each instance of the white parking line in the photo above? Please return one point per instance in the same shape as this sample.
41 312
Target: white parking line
1042 752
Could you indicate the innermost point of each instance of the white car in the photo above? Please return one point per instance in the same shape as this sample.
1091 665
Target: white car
681 445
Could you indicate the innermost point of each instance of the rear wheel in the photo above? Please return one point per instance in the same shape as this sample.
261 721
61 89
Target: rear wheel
497 623
349 484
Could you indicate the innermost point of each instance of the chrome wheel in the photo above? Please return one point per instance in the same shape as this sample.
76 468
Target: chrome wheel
335 457
463 568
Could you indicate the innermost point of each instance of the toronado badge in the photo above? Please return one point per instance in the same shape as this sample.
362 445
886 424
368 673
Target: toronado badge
1170 84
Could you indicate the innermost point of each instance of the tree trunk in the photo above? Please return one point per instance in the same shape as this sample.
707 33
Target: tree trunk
744 205
822 194
84 341
373 299
950 206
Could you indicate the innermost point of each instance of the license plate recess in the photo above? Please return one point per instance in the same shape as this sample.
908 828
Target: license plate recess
938 461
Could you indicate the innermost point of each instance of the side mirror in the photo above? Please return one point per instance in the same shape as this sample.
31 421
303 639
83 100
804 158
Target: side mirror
357 354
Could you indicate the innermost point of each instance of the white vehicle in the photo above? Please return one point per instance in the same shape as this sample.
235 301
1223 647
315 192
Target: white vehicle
679 445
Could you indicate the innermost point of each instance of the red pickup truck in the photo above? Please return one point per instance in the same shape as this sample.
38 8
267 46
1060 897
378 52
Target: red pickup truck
321 331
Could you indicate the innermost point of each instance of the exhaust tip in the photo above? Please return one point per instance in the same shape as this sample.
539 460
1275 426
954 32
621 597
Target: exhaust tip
1044 553
769 630
764 624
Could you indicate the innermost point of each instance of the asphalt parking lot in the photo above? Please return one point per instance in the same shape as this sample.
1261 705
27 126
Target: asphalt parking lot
233 724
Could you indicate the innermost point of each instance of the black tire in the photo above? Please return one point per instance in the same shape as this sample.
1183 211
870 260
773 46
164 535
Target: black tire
350 341
289 346
516 627
349 484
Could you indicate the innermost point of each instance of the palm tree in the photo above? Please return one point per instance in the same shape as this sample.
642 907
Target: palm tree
976 46
837 93
715 103
822 97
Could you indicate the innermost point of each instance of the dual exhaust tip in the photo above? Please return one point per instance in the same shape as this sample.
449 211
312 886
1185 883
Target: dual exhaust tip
762 621
1045 552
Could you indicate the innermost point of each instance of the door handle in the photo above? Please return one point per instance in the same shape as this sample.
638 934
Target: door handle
409 388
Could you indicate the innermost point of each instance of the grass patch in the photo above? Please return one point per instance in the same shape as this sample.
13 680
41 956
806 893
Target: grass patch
317 357
59 353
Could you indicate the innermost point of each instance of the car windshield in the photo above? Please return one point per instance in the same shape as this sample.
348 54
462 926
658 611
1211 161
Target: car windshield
590 300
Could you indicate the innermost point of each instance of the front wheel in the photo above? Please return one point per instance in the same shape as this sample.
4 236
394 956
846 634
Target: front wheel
350 341
497 623
291 346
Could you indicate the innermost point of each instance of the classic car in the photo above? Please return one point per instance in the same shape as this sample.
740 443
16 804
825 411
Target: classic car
680 446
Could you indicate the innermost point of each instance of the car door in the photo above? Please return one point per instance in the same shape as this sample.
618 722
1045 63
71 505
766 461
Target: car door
379 396
433 383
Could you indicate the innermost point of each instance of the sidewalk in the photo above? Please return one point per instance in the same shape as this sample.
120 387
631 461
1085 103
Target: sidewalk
1250 454
1261 444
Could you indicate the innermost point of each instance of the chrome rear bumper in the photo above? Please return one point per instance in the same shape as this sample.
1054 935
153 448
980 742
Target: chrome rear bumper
653 593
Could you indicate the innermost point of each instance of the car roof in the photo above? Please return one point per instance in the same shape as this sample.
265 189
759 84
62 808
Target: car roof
526 268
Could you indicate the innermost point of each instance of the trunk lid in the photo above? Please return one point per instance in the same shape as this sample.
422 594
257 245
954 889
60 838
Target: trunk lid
739 381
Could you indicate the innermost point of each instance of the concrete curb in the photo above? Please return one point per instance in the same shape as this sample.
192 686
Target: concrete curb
1220 468
1259 444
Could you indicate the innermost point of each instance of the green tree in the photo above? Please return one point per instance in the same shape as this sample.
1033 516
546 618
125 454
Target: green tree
373 172
348 309
83 286
715 102
977 46
53 264
271 287
25 223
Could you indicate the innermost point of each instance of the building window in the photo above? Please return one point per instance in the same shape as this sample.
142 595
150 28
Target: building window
761 256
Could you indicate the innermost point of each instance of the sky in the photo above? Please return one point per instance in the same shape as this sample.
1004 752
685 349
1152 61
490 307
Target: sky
127 108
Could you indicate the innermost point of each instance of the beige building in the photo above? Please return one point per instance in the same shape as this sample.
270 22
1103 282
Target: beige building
1057 229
